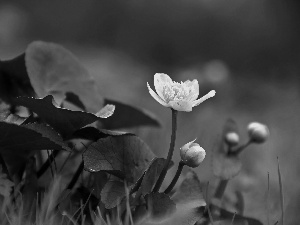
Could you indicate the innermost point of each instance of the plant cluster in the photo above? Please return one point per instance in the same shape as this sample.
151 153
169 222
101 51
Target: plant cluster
52 114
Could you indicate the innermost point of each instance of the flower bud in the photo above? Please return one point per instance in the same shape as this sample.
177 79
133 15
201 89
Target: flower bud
192 154
232 139
258 132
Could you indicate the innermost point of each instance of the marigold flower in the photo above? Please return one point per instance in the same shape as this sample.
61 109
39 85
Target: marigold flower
258 132
192 154
179 96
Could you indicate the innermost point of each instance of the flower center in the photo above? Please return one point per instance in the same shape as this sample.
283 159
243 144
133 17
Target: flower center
176 92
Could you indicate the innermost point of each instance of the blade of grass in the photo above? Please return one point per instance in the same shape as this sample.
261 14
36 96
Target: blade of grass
233 218
208 205
268 199
281 193
50 159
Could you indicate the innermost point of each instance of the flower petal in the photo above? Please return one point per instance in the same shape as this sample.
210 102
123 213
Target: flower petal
156 97
194 87
205 97
161 80
185 106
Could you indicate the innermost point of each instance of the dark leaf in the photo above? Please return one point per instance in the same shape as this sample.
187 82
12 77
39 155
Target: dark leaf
112 193
18 143
125 156
62 120
14 80
53 70
160 205
93 134
126 116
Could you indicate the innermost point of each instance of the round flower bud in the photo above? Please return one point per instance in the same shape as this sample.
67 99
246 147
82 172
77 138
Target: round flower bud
232 138
192 154
258 132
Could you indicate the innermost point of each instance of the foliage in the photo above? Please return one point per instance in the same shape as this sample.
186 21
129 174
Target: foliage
66 117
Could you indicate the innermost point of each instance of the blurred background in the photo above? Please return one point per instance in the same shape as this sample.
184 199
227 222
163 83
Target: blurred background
247 50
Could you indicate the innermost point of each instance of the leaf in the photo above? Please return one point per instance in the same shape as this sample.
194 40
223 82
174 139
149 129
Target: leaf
112 194
160 205
152 175
190 191
125 156
92 133
49 133
53 70
189 201
126 116
226 166
18 143
14 80
62 120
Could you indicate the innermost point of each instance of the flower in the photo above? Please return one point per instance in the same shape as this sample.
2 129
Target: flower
192 154
232 138
258 132
179 96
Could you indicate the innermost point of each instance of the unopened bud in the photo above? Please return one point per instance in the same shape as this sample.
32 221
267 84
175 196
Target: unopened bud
192 154
232 139
258 132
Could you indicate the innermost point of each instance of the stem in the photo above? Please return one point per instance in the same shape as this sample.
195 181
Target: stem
175 179
76 176
221 189
239 149
170 153
47 164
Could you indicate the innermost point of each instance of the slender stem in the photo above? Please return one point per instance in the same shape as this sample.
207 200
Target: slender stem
47 163
76 176
221 189
175 179
170 153
239 149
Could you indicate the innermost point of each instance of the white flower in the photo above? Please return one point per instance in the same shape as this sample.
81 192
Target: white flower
192 154
179 96
258 132
232 138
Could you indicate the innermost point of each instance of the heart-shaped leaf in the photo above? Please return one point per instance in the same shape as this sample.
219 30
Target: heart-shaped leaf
125 156
62 120
126 116
112 193
225 165
190 191
160 205
18 143
53 70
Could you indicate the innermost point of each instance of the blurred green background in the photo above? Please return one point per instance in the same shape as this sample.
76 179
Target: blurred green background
247 50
